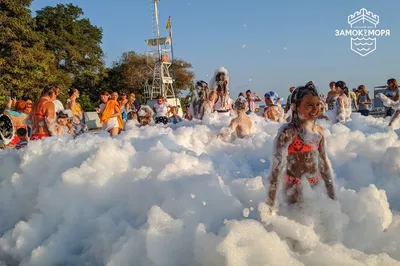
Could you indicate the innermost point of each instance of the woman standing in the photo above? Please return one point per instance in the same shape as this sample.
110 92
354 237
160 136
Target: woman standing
331 100
44 114
110 114
344 103
363 100
251 101
73 105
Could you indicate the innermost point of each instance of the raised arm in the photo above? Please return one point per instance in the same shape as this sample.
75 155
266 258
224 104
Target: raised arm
257 98
325 167
229 130
278 164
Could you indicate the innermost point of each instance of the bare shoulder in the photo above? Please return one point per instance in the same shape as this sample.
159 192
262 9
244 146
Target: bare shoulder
285 133
49 104
320 130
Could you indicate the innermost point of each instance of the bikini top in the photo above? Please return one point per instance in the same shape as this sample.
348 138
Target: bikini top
39 113
300 146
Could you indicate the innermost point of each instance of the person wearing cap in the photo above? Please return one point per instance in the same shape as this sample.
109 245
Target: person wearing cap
273 110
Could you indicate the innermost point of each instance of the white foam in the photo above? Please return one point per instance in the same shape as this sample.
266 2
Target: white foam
180 196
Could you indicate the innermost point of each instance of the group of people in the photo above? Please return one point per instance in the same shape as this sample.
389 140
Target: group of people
299 152
44 118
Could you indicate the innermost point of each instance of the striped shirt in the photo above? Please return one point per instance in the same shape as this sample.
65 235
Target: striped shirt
21 144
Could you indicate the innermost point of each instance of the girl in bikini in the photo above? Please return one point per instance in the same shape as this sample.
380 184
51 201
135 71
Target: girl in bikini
299 150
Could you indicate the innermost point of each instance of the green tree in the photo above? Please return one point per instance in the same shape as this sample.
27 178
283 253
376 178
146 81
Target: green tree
25 65
132 71
75 43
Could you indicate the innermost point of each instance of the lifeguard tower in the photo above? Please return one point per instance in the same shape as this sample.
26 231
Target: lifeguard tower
160 59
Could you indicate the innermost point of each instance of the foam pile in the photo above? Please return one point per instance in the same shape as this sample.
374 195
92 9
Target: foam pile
180 196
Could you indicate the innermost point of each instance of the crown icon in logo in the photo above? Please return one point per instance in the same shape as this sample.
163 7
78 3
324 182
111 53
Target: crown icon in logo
363 15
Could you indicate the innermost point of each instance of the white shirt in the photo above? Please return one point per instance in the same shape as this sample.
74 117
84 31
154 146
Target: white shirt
219 106
58 105
161 109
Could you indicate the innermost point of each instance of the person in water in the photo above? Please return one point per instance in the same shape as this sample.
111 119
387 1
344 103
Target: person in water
242 124
299 150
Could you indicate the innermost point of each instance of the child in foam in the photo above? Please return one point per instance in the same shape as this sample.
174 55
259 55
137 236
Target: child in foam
299 150
145 116
161 110
273 110
175 118
242 124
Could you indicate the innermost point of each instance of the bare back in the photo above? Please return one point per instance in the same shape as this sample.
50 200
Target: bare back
43 113
244 126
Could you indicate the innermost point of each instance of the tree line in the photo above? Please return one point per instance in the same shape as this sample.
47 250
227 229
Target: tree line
59 46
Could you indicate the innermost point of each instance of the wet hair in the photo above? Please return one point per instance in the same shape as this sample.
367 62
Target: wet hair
362 88
49 89
26 98
62 115
394 81
201 84
241 103
218 76
346 91
341 84
297 96
20 106
72 91
21 132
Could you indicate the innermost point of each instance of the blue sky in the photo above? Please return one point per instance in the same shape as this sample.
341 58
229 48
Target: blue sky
287 42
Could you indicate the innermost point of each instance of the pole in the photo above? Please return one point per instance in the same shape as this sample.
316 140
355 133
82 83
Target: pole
172 65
